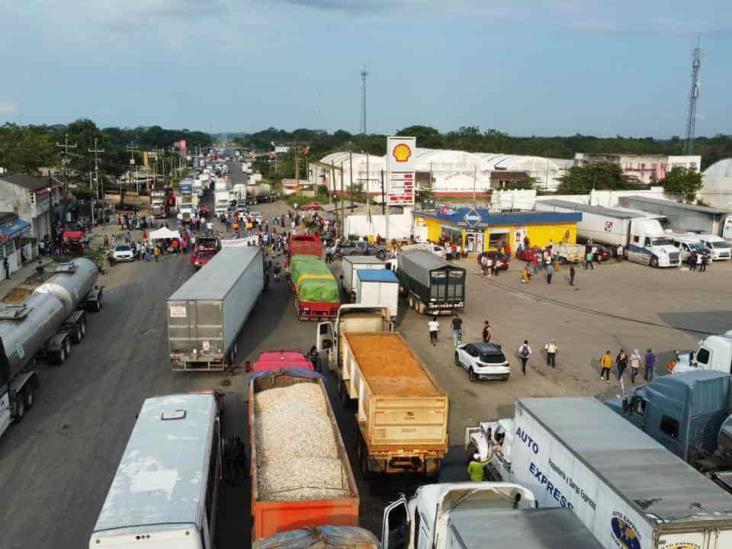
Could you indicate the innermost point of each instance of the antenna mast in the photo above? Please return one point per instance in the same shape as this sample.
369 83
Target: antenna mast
693 98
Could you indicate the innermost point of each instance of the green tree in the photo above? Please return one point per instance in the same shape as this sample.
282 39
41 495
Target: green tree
427 136
682 183
26 148
526 183
598 176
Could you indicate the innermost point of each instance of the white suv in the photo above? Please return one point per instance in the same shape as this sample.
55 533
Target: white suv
483 361
717 246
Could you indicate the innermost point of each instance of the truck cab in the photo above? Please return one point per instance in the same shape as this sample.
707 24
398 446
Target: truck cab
427 520
281 360
713 353
649 244
206 248
683 412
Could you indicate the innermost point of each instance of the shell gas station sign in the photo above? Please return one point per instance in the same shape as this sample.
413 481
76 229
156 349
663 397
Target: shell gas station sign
400 152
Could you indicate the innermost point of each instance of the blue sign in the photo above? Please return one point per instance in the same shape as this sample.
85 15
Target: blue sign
472 217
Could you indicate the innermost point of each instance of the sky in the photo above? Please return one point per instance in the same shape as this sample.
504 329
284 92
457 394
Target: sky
525 67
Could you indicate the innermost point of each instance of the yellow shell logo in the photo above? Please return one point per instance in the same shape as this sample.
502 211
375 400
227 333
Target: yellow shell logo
401 152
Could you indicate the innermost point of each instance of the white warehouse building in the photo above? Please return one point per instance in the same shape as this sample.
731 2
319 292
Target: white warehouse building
447 173
716 188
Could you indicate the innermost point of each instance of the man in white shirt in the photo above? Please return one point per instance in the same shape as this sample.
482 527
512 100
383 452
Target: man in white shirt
551 349
434 328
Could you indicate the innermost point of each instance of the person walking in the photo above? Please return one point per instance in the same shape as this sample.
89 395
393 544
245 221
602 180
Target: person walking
487 332
457 330
704 263
606 363
635 362
549 270
589 258
525 275
551 349
621 363
524 352
434 328
650 364
156 253
572 273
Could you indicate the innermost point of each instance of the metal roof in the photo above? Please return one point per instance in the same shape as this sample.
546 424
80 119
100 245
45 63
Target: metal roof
672 204
26 181
363 259
218 276
418 264
377 275
599 210
161 477
656 482
525 528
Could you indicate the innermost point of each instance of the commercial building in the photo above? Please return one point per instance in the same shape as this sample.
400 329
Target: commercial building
646 168
479 229
716 188
31 200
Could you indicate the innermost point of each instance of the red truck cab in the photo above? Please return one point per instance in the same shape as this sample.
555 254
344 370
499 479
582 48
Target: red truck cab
280 360
206 248
304 244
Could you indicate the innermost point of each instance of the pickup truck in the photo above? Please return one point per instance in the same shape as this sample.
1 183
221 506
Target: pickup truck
358 247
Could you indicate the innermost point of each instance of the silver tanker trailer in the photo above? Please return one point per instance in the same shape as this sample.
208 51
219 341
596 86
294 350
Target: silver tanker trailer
44 326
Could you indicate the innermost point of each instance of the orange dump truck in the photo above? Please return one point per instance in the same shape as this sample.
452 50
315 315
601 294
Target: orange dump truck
300 473
402 411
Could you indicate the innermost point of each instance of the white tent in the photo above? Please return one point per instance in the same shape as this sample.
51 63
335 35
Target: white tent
163 233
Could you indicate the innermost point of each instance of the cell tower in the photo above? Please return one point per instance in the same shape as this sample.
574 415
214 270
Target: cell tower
693 98
364 74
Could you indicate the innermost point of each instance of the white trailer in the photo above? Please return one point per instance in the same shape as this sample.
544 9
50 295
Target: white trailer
640 234
378 287
221 202
624 486
206 314
352 264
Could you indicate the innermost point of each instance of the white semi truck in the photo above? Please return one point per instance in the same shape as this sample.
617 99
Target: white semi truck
628 489
640 234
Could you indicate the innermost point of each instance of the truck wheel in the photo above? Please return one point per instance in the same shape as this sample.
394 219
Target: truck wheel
60 356
654 262
67 346
19 410
28 397
472 376
82 329
76 335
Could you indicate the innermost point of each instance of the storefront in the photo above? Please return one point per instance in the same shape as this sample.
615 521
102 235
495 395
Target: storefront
15 247
480 230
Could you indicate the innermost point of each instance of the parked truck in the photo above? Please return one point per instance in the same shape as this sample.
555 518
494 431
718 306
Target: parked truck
315 288
432 285
259 193
44 326
640 234
712 353
221 202
205 248
378 288
683 218
624 486
691 415
352 264
332 537
401 410
470 515
207 313
300 473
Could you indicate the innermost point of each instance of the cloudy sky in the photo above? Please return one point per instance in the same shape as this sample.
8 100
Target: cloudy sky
541 67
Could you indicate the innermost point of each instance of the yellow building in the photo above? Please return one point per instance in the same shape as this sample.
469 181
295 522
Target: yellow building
480 230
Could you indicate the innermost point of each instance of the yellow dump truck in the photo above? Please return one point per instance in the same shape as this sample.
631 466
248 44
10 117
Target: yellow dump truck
401 410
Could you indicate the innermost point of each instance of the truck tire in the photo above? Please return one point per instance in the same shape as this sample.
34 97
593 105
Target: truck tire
59 356
28 396
654 262
67 346
98 304
19 408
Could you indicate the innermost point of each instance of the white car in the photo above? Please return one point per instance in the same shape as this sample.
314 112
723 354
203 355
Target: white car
123 252
439 251
483 361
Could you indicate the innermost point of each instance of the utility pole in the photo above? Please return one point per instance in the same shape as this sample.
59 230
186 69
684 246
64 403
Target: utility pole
64 152
350 174
96 152
132 150
693 98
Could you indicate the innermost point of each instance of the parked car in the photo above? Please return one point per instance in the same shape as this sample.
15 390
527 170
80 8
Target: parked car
123 252
439 251
312 207
359 247
483 361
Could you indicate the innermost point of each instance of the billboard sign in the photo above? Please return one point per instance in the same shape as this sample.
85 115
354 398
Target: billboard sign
400 153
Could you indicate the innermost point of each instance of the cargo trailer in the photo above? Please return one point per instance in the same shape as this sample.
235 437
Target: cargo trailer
305 480
432 285
624 486
401 410
207 313
316 291
352 264
378 288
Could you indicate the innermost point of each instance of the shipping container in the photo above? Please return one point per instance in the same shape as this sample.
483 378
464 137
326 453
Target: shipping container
301 502
624 486
206 314
401 410
352 264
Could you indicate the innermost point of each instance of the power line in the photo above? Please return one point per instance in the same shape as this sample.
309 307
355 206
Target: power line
693 98
96 152
64 152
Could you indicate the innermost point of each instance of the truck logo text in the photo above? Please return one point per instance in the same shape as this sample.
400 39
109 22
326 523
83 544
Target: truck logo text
526 438
624 532
554 492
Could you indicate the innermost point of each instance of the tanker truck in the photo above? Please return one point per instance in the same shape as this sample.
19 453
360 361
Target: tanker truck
44 326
